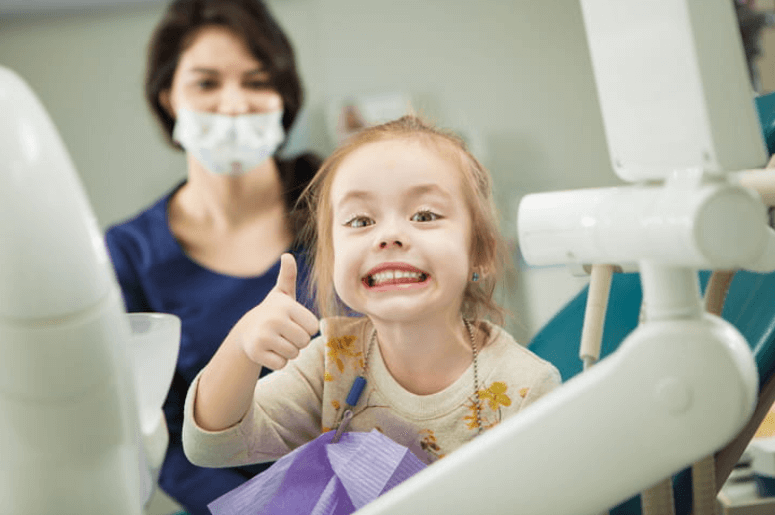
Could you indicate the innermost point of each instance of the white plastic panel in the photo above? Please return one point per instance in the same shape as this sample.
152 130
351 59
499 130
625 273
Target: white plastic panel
678 224
673 86
53 260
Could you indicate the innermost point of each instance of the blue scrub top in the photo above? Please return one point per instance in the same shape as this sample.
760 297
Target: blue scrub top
156 275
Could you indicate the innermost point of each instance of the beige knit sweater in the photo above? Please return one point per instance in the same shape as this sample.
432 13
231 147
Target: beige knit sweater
306 398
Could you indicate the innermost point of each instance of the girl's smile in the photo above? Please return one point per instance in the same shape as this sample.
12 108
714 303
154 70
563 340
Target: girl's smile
395 276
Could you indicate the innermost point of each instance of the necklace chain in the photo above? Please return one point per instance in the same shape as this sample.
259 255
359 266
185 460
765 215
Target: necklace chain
477 402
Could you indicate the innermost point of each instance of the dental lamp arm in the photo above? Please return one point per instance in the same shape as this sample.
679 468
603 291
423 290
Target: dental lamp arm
68 418
81 382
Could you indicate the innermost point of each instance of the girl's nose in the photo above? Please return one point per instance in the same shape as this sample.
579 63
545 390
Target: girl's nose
386 244
392 233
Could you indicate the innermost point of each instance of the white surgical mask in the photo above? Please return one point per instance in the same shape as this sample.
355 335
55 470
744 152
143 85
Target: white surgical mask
229 145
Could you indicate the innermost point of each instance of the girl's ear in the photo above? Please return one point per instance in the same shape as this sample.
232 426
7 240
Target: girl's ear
480 271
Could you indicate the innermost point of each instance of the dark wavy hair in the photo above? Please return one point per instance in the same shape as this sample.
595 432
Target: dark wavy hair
252 21
248 19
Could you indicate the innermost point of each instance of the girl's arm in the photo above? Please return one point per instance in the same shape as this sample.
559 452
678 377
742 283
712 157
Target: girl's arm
284 412
268 335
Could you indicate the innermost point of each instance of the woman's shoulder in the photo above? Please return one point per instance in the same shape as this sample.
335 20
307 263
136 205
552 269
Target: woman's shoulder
148 220
144 236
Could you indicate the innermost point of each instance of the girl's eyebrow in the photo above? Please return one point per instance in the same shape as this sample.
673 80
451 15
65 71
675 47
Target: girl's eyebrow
415 191
428 189
352 196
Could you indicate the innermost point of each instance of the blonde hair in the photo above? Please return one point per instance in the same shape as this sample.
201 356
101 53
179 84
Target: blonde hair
488 250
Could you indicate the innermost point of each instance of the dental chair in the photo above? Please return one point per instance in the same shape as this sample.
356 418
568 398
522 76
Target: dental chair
749 306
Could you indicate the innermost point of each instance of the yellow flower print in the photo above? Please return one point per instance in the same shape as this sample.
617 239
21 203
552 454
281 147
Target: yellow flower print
339 347
471 424
328 377
495 395
429 444
523 392
335 404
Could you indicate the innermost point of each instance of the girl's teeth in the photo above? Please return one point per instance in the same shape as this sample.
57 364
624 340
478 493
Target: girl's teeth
391 275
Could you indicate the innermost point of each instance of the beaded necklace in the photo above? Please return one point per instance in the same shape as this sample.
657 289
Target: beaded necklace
360 383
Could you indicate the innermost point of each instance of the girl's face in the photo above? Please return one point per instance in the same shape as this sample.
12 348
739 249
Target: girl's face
401 232
218 74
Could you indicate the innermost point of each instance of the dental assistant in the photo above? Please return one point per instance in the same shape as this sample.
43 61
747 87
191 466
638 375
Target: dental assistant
222 81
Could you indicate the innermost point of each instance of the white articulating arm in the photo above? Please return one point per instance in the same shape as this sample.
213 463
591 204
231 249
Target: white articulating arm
652 406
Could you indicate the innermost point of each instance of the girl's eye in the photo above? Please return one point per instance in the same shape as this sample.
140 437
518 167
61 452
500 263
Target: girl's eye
357 222
425 216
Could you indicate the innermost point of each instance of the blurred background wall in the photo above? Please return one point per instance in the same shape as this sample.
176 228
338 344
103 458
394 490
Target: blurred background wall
513 76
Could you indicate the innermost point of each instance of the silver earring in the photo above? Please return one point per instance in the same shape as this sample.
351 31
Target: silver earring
475 277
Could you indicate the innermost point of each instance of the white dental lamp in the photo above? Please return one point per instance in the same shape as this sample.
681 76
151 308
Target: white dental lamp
679 116
81 382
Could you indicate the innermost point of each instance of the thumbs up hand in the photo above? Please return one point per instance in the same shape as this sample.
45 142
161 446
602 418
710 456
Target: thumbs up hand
274 332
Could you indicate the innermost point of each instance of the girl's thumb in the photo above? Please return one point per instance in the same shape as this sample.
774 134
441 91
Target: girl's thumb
286 279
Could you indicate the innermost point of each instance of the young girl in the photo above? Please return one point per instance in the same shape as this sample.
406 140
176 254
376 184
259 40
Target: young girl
407 236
